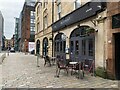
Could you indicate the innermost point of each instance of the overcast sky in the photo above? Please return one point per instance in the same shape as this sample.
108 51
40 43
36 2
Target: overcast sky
10 9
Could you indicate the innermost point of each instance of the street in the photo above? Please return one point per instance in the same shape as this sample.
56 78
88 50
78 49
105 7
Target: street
21 71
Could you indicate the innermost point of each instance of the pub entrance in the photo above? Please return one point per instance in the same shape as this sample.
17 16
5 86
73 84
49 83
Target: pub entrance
117 55
82 45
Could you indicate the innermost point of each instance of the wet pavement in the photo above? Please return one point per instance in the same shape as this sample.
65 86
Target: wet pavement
21 71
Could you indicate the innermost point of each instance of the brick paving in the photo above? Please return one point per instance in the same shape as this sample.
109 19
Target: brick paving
21 71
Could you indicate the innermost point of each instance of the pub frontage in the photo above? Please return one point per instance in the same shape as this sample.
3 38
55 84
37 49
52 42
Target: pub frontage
80 35
90 32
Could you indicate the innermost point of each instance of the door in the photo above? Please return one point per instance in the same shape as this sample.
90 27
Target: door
60 46
117 56
45 46
38 47
75 49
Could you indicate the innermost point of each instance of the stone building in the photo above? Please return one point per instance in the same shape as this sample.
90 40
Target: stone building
113 39
16 46
74 30
43 33
27 24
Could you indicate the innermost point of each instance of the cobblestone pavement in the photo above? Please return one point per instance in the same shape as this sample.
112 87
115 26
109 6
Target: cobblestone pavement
20 70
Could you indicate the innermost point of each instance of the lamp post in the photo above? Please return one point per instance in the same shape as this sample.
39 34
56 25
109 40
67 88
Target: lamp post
8 48
25 46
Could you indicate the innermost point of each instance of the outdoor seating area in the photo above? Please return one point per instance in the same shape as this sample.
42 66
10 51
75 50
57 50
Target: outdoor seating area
68 66
49 60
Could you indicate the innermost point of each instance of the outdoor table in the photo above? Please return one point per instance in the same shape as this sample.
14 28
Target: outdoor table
73 63
79 71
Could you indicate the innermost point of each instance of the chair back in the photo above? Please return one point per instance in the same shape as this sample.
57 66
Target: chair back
47 58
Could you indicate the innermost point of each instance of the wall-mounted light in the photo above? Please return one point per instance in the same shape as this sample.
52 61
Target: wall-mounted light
63 36
48 47
96 30
109 41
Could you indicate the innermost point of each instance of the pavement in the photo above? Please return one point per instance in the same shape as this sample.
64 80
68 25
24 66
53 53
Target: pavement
21 71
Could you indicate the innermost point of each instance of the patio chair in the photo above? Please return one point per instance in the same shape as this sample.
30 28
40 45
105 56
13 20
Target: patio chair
78 67
89 66
61 66
47 60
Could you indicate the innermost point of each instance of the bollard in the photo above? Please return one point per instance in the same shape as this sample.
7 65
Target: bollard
8 52
38 57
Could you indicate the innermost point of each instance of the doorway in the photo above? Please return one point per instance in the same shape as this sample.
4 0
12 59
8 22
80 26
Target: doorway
117 56
45 46
82 46
38 47
59 46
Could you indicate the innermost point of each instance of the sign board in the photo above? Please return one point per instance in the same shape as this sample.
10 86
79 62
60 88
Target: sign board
84 12
31 46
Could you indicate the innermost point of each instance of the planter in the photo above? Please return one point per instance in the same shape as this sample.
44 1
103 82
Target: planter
101 72
90 31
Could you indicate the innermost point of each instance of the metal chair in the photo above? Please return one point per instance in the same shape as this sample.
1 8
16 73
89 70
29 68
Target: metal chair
78 67
61 66
89 66
47 60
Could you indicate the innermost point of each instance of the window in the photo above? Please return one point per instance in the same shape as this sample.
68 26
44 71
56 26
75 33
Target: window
59 10
76 4
57 46
90 47
58 1
32 29
116 21
83 47
72 46
45 3
38 26
64 46
76 47
32 20
32 13
45 22
38 10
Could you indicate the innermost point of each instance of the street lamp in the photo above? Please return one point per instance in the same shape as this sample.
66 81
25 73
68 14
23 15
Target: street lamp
25 47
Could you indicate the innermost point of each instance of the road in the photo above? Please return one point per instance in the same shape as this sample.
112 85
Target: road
21 71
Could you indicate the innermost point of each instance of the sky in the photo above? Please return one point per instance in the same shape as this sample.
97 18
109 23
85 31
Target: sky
10 9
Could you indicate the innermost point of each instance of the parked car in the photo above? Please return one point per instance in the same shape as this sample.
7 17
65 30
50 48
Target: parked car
32 52
12 50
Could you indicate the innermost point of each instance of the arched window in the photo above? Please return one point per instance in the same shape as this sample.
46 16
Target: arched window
82 43
38 47
45 46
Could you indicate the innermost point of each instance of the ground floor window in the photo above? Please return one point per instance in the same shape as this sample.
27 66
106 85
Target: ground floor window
45 46
59 45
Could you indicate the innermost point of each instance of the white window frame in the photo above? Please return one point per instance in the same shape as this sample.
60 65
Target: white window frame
77 4
45 21
59 10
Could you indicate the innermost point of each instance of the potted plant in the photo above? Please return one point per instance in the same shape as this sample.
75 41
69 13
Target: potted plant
90 31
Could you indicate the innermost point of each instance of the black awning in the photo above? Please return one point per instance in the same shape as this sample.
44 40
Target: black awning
84 12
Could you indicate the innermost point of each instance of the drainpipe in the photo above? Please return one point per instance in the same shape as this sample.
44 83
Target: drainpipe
52 23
